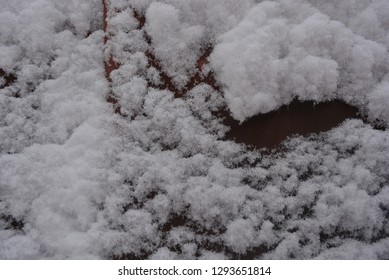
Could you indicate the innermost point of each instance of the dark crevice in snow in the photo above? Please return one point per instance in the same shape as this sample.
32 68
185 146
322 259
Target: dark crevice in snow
141 18
252 253
140 256
12 223
175 220
9 79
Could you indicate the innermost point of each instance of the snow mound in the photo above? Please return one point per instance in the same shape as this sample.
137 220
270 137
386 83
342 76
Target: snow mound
284 50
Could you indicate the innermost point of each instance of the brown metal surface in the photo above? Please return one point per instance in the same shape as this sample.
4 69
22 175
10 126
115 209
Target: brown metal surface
302 118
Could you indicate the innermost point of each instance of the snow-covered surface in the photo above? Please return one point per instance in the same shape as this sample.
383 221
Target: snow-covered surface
287 49
78 181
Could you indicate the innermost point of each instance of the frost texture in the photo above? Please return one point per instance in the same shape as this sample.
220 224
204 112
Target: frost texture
78 181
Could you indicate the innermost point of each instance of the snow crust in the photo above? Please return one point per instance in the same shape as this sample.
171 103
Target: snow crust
79 182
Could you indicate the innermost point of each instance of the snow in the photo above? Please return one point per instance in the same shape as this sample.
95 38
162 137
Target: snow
378 102
78 181
176 46
291 50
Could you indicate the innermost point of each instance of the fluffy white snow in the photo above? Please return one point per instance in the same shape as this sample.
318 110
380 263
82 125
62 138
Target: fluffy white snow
54 135
78 181
284 50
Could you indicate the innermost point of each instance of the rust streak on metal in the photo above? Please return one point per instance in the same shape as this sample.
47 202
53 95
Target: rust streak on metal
140 18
